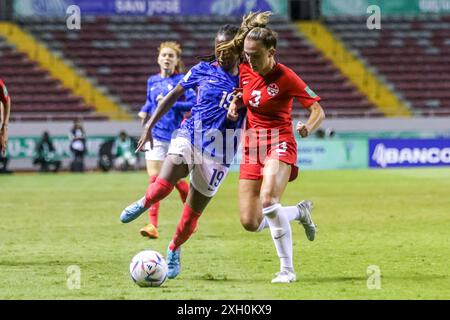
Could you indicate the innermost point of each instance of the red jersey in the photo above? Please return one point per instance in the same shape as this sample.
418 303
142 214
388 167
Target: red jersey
269 105
4 97
269 98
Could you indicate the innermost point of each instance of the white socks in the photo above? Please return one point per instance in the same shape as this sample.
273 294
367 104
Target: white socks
281 232
292 213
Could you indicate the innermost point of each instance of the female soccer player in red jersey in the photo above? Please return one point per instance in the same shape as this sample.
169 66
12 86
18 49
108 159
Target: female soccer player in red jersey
270 150
5 108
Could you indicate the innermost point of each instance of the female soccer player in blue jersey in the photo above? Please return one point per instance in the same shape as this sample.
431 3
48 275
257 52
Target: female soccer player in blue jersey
158 86
204 146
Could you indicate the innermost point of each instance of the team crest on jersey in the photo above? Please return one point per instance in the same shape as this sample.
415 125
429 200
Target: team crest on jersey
272 89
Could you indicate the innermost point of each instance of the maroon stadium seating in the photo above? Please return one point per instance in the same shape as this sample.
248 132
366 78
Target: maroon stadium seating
120 53
35 94
411 54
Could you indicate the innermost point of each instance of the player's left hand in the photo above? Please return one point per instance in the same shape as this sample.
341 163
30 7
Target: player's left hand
302 129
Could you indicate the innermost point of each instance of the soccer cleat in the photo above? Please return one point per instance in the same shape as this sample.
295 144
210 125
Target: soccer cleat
173 263
305 208
284 277
133 211
149 231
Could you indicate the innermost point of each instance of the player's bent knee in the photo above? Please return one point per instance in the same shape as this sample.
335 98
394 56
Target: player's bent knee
249 224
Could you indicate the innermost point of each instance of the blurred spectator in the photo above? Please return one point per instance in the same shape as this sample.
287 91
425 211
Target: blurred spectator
105 161
45 155
4 163
123 151
77 138
325 133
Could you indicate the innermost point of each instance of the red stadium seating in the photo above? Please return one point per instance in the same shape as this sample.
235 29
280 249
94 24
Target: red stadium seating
36 96
411 54
120 53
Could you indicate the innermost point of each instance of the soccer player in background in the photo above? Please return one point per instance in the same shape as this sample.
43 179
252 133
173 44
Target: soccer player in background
5 109
191 152
268 90
158 86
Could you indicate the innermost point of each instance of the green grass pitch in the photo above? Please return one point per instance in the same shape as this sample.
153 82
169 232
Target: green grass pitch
397 220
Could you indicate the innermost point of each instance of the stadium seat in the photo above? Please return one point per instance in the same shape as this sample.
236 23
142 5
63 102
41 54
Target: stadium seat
120 53
35 94
412 54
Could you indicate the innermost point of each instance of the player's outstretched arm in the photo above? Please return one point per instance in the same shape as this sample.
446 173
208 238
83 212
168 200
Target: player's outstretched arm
164 106
316 117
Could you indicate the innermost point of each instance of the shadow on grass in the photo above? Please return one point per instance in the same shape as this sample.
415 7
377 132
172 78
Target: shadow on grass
418 277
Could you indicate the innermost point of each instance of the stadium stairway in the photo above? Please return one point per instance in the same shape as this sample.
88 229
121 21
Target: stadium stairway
62 71
361 76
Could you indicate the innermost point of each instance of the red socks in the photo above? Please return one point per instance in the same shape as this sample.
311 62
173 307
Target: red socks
153 211
186 226
157 191
183 189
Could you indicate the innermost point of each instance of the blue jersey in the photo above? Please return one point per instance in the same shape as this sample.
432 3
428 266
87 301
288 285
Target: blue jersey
209 129
159 86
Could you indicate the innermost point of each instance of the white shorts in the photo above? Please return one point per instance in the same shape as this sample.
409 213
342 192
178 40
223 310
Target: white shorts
158 152
206 175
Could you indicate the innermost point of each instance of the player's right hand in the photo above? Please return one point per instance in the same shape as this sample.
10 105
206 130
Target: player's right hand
235 105
232 112
302 129
145 136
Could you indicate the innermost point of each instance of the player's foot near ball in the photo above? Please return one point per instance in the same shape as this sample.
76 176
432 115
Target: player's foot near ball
284 277
133 211
305 207
149 231
173 263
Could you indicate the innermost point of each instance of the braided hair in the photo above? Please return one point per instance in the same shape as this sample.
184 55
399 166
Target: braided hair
250 22
228 31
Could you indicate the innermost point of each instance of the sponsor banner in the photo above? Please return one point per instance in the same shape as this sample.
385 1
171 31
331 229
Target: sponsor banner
24 147
149 7
315 154
388 7
387 153
332 154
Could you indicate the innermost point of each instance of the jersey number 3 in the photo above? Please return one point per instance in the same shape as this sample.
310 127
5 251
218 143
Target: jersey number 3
256 98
